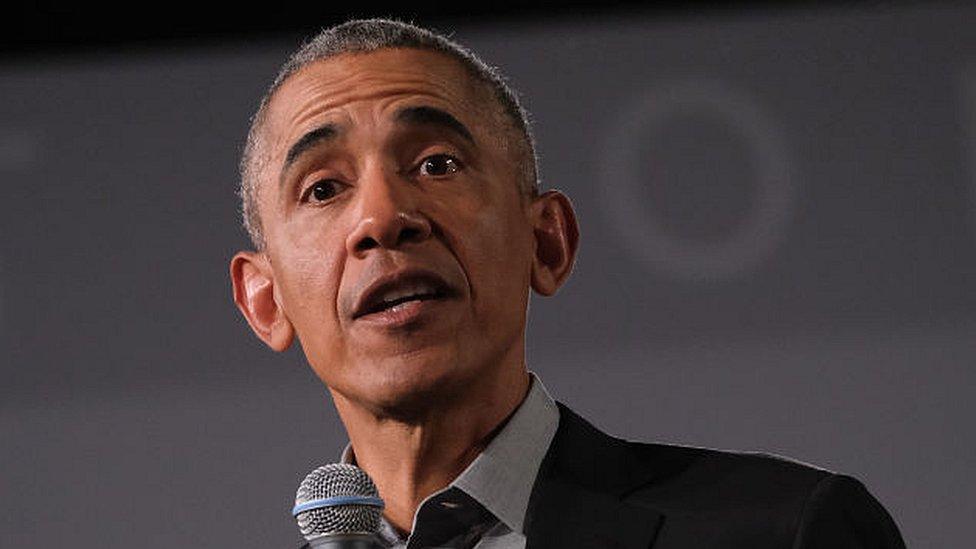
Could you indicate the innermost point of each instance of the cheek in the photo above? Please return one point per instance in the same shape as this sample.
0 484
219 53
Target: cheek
487 222
499 255
311 271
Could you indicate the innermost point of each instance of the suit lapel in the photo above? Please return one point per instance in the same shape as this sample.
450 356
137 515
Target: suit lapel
578 500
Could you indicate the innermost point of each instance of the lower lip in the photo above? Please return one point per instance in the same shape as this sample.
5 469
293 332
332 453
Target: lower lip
405 314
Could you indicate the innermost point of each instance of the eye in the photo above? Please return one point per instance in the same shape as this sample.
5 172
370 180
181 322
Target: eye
322 190
438 165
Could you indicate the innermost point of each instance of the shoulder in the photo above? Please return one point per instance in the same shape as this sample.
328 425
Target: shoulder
685 474
758 500
761 500
678 476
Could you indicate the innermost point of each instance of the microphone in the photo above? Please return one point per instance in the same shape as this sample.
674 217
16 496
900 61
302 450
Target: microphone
338 507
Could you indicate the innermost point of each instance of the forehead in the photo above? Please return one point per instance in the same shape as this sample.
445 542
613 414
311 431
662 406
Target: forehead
375 80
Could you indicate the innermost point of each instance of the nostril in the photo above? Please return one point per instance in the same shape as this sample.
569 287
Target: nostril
409 234
388 232
367 243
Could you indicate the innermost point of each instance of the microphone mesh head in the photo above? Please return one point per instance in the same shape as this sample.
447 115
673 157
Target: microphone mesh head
337 479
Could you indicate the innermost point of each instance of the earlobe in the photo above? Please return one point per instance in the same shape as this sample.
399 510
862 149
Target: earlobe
254 294
556 238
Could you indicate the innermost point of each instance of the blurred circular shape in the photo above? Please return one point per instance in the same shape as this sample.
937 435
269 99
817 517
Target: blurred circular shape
625 173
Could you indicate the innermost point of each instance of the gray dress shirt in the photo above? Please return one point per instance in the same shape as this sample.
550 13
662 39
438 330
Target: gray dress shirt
484 507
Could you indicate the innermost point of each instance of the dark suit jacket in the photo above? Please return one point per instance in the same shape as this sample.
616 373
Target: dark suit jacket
596 491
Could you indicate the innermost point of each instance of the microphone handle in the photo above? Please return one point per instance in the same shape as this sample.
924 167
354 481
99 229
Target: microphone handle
344 541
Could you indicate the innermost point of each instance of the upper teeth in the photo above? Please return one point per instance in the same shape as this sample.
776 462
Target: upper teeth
409 290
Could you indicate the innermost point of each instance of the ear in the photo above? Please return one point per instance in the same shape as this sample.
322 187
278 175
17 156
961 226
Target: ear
254 294
556 241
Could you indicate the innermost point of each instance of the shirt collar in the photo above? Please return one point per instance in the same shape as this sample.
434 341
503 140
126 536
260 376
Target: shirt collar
502 476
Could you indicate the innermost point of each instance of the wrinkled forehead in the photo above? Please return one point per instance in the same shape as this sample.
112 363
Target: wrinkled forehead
375 79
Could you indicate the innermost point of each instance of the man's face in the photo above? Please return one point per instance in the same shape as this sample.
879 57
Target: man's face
400 244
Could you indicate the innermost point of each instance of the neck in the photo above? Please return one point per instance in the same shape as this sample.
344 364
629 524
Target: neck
410 459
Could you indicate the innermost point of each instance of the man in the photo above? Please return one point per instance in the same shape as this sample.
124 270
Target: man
389 186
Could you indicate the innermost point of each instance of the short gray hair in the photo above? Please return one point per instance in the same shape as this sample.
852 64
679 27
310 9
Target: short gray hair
369 35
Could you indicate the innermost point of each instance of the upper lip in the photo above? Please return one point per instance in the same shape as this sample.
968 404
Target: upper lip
371 299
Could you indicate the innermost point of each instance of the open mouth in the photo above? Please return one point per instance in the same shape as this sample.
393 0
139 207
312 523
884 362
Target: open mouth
393 293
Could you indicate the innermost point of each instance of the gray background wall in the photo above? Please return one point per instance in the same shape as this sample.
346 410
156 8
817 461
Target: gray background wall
778 252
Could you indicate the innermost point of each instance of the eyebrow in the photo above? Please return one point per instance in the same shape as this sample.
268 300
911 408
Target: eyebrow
327 132
422 115
432 116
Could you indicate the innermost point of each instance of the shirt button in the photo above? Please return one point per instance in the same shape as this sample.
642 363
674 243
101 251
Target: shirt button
450 504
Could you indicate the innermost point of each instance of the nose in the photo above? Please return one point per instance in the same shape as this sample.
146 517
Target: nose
387 215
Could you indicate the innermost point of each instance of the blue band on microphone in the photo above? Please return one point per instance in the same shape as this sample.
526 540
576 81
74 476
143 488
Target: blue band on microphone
336 501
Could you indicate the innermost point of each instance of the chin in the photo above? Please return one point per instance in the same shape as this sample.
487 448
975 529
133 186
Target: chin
406 385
